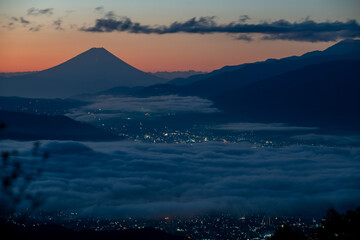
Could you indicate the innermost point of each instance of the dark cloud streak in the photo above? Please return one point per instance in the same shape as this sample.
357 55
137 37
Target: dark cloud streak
99 9
57 24
245 37
24 21
306 30
37 12
244 18
35 28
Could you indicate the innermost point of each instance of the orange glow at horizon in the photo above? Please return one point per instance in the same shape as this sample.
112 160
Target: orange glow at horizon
24 51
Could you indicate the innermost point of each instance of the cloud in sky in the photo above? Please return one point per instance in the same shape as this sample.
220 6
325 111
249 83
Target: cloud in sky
132 178
110 14
35 28
244 18
13 20
37 12
305 30
24 21
245 37
57 24
99 9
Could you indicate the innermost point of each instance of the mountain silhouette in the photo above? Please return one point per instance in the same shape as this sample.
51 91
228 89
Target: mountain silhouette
93 70
27 126
321 94
346 48
233 77
177 75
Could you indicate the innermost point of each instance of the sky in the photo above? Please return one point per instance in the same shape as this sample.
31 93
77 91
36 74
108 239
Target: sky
170 35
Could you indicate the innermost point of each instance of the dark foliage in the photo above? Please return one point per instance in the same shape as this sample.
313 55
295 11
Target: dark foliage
15 181
335 226
340 226
286 233
57 232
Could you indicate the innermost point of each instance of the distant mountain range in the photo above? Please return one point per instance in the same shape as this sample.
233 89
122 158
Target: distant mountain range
91 71
97 71
42 106
318 88
26 126
233 77
177 74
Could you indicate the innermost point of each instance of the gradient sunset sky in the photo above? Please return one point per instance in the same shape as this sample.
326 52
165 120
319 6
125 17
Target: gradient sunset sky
39 34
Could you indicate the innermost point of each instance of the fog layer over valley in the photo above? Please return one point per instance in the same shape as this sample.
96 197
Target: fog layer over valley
112 179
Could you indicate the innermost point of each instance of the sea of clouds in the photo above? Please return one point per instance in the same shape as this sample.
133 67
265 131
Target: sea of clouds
107 106
113 179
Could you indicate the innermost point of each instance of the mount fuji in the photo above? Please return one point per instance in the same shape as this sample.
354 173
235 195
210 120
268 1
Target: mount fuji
91 71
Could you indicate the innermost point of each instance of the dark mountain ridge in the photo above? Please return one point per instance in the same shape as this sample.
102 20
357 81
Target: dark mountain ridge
221 81
345 47
326 93
177 74
26 126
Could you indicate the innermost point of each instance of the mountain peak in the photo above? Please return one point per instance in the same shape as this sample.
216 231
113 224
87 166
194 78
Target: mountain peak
91 71
95 56
97 49
344 46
